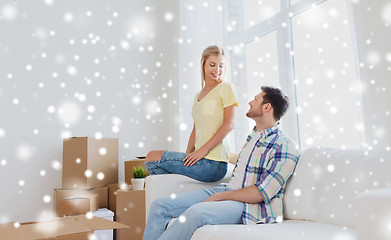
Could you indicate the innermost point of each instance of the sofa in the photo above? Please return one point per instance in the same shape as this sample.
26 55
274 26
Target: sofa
333 194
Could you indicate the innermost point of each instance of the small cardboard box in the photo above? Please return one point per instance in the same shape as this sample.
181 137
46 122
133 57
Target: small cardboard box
65 228
89 162
60 194
131 211
79 205
113 195
129 168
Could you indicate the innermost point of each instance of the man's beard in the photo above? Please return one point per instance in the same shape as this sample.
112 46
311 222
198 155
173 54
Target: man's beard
252 114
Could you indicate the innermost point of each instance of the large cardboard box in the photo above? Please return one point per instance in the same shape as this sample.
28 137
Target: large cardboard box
79 205
131 211
60 194
89 162
65 228
129 168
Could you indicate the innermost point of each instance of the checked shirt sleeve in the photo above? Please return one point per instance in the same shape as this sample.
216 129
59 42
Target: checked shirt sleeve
280 166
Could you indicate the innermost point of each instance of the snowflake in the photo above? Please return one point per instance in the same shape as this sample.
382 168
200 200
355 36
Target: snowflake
182 219
168 16
47 199
68 17
9 12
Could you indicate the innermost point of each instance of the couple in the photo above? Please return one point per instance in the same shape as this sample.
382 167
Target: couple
254 193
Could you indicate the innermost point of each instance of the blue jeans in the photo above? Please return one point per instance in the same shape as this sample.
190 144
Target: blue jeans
191 212
204 170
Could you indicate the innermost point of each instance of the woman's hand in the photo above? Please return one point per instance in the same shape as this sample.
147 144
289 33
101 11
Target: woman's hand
194 157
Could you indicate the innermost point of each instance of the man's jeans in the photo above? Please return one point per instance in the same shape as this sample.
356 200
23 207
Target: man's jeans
204 170
191 212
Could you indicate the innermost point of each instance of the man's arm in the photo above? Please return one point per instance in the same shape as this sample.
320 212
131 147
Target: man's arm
284 161
249 194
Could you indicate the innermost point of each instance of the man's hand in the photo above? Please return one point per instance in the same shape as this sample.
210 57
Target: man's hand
194 157
217 197
250 194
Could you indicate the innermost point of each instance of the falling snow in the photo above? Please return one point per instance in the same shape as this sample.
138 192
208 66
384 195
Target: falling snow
104 72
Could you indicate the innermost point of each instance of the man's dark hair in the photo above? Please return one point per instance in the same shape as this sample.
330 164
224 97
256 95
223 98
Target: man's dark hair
277 99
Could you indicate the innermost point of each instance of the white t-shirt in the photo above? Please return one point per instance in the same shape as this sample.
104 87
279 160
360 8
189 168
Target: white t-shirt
238 174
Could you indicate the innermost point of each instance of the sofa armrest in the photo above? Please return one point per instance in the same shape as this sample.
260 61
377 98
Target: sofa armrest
374 214
157 186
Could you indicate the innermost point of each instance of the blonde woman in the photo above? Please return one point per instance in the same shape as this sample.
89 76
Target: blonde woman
213 112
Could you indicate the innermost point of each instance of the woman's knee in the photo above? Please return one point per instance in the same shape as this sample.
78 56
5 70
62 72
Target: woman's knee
155 155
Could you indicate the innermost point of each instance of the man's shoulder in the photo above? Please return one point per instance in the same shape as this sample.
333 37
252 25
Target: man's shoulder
285 142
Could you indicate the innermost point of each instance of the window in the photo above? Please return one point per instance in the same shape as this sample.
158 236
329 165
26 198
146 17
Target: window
325 77
262 64
255 11
311 58
294 1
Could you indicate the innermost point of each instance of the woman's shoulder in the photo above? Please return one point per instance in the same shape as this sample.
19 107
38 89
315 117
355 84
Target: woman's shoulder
226 85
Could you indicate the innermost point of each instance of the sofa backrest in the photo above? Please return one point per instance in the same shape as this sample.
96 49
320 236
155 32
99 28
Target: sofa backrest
326 181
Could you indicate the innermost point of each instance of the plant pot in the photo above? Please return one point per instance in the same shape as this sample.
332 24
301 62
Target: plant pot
138 183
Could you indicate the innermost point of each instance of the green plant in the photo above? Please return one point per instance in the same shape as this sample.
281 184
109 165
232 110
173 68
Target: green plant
139 172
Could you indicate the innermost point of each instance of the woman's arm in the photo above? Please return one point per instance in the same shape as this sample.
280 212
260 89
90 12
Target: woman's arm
225 128
191 144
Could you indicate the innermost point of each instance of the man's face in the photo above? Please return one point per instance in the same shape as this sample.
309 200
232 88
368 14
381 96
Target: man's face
256 106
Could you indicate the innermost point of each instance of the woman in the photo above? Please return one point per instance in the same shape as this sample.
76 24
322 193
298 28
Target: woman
213 112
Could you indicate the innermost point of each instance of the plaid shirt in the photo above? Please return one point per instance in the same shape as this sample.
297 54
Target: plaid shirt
271 162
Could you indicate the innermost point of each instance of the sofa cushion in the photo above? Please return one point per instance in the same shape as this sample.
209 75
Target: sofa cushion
292 230
298 196
329 180
162 185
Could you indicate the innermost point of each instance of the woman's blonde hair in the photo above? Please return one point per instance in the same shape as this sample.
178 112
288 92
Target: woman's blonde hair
211 50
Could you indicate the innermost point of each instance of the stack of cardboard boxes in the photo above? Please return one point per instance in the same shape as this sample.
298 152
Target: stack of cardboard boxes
128 204
90 182
89 166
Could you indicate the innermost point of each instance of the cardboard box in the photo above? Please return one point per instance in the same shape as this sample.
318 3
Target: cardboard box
129 168
79 205
89 162
113 196
60 194
131 211
65 228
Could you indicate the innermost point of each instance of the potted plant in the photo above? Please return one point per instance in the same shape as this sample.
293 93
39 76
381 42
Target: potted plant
138 180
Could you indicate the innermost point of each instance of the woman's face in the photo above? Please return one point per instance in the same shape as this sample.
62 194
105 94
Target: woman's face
214 68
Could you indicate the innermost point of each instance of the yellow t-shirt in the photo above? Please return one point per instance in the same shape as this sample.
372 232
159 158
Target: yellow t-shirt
208 116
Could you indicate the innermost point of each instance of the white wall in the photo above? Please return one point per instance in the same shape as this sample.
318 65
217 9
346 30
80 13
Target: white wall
373 23
134 93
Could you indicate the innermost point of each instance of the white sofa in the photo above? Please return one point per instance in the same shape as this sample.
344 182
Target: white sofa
333 195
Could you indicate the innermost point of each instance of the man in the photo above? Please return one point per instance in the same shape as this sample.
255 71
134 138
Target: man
254 194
